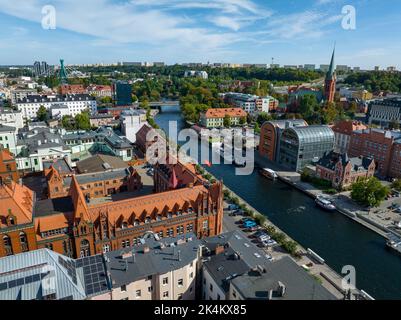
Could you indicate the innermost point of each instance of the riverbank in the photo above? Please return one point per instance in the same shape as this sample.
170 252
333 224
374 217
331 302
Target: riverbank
342 205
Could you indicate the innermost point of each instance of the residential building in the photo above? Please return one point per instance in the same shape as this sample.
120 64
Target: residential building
384 112
270 136
8 166
75 104
381 145
100 91
233 268
8 138
250 103
300 146
343 131
280 280
11 118
122 93
141 272
103 140
19 94
214 118
102 119
310 67
46 275
38 145
330 81
131 121
343 171
196 74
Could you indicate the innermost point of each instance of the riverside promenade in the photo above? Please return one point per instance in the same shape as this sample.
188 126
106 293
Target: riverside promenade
342 201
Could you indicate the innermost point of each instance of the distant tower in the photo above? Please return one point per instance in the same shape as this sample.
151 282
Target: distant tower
63 73
330 81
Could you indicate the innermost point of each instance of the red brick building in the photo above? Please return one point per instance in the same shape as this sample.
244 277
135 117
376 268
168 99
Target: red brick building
270 135
8 166
383 146
330 82
343 171
72 89
343 131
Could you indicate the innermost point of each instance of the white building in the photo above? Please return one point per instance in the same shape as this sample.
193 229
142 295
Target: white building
12 118
76 103
39 145
250 103
131 122
19 94
8 137
197 74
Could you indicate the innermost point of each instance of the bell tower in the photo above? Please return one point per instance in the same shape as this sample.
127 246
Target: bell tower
330 81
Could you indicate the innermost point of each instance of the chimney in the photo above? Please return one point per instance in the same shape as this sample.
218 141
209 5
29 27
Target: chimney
281 289
219 249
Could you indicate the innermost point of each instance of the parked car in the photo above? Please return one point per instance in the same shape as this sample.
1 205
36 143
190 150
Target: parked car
263 238
249 224
233 207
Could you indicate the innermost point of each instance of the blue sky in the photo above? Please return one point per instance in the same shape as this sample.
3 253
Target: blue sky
238 31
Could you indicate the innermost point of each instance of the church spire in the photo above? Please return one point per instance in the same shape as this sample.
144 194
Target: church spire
330 73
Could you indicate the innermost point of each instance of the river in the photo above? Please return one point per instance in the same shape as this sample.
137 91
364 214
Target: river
336 238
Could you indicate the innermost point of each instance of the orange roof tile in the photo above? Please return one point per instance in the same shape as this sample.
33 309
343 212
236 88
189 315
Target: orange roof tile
222 112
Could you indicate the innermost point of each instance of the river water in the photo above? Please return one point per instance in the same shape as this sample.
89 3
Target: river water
336 238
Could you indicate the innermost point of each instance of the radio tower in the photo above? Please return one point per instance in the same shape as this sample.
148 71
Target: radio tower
63 73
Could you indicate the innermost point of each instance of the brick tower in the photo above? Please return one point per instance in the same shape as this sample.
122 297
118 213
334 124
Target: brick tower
330 81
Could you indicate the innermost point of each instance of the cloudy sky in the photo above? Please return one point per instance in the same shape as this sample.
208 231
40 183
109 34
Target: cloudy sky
241 31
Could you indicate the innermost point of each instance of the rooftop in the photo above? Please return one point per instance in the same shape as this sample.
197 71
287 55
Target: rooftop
150 258
100 163
299 285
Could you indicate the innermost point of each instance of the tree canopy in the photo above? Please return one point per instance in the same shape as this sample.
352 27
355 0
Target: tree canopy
369 192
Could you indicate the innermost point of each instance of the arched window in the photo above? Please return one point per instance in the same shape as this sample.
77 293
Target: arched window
85 248
7 241
136 222
148 219
124 225
22 238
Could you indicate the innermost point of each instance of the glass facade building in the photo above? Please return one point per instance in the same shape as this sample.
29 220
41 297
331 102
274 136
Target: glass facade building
301 146
122 94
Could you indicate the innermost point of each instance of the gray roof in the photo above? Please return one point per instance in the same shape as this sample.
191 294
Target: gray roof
225 266
98 176
60 164
298 283
99 163
330 159
241 245
4 128
162 257
56 99
40 273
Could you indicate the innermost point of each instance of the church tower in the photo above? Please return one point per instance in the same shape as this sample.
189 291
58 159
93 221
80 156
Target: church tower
330 81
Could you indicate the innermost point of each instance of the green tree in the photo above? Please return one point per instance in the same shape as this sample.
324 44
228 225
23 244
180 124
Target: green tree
396 185
308 105
242 121
369 192
82 121
106 100
227 121
394 125
42 114
67 122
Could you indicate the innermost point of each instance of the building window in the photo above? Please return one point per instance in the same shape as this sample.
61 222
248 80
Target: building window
165 281
123 288
191 275
179 297
211 288
138 293
150 289
165 294
180 282
106 248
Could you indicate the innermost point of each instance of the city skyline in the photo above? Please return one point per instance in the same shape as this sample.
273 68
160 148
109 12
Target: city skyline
198 31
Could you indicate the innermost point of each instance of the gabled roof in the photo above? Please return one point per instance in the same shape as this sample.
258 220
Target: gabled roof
17 200
79 201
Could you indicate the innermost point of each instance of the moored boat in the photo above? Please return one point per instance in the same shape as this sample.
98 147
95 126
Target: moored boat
325 203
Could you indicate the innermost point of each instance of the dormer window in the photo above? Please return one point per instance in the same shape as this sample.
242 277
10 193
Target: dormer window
169 215
124 225
148 220
136 222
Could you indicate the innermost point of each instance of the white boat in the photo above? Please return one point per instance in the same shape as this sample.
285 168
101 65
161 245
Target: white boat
325 203
269 173
394 243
